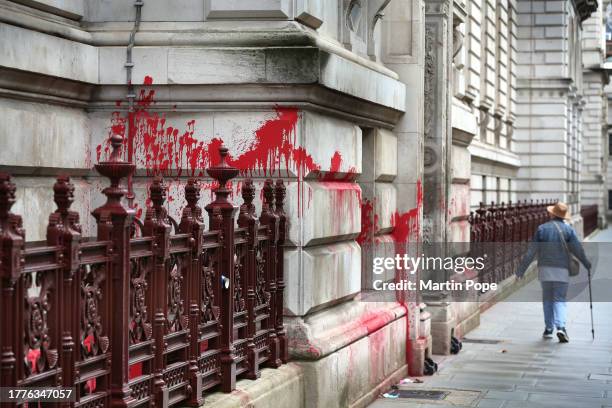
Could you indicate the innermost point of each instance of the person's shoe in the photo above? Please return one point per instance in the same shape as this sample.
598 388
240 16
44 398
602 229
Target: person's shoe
548 333
562 335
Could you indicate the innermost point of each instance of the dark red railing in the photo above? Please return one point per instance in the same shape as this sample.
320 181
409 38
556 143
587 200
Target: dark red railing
589 214
500 233
141 318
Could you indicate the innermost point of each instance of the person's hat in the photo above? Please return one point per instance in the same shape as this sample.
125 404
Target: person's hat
559 210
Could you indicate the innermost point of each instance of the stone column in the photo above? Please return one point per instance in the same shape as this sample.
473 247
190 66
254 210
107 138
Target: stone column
437 141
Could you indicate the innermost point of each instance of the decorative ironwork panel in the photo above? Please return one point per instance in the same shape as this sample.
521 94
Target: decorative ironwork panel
39 348
209 307
158 311
177 319
240 265
93 340
140 327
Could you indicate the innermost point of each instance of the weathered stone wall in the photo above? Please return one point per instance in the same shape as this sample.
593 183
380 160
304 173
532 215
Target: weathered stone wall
294 90
491 91
550 102
594 166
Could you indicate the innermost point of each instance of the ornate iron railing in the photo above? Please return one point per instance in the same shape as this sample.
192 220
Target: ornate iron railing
500 232
154 319
589 214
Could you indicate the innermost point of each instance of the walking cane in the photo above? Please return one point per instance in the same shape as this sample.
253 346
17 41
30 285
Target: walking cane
591 304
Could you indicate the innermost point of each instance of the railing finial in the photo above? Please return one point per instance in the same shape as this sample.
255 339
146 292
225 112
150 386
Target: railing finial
280 194
222 174
157 192
115 169
7 195
192 193
63 194
156 214
248 195
12 234
268 194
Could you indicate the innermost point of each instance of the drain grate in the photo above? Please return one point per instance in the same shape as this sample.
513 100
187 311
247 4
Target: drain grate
423 395
481 341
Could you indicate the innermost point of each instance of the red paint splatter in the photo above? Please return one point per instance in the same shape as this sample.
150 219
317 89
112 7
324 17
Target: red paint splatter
369 221
334 173
407 226
91 383
336 161
135 371
32 356
165 150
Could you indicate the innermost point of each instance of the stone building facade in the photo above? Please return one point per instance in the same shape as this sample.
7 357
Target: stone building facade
324 94
490 94
529 144
552 97
595 74
533 144
388 119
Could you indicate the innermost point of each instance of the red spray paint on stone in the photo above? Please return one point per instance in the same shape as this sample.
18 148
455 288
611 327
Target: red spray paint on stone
369 221
407 226
165 150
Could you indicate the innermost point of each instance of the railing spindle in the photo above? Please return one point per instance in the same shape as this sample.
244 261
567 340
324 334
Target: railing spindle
221 213
114 223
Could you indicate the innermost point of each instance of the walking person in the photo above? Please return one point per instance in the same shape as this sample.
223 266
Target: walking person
554 266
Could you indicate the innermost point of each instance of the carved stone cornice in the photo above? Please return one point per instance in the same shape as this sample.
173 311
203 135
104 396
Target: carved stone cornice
459 10
462 138
439 7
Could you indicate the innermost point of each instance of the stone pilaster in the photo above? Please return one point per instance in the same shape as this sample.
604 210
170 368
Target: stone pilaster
437 125
595 128
437 145
405 56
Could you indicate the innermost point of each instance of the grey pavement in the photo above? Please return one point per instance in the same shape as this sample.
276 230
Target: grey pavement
523 370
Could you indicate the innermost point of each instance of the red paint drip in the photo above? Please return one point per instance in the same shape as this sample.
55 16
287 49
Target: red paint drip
334 170
369 221
135 370
407 226
90 385
165 150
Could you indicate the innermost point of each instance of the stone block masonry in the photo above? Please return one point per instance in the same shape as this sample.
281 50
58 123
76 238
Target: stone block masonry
288 101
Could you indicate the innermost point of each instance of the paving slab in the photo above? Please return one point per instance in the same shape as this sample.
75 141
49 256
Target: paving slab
524 370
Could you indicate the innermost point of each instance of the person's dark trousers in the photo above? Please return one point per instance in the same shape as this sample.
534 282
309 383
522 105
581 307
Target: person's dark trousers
553 298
